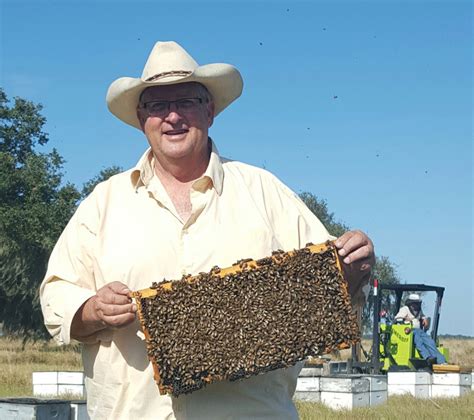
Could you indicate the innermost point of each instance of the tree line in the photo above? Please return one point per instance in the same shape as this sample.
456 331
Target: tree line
36 204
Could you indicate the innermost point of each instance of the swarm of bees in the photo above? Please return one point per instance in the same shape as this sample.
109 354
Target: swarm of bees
251 318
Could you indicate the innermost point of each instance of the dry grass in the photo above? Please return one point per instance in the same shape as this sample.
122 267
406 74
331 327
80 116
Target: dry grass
18 363
461 352
399 407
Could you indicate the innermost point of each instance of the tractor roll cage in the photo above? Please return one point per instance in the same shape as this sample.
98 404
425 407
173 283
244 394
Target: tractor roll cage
399 289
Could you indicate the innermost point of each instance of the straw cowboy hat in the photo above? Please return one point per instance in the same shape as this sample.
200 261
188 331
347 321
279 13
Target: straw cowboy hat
413 298
169 64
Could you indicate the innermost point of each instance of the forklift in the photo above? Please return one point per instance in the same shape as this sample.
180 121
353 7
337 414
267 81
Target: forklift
393 347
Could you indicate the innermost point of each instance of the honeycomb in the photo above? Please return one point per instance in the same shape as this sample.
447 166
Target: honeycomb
248 319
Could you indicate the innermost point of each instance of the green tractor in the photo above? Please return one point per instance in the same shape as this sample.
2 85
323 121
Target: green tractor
393 346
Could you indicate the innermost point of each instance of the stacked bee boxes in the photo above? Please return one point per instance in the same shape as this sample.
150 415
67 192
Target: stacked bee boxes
377 389
417 384
450 384
58 383
307 387
248 319
345 391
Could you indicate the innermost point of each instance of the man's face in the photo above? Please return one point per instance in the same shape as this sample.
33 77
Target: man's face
178 133
415 307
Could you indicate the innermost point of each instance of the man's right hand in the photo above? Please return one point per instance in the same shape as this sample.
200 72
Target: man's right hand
110 307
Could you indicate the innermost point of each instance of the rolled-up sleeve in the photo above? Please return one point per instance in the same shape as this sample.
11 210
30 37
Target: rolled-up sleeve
69 280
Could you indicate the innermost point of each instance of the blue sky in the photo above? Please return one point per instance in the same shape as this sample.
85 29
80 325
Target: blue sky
367 104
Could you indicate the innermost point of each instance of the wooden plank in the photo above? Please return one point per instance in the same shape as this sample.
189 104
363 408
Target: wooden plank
446 368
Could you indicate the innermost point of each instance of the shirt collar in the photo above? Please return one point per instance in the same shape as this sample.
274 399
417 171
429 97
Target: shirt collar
143 171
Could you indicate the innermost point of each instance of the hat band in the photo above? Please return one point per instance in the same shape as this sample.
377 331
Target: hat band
168 73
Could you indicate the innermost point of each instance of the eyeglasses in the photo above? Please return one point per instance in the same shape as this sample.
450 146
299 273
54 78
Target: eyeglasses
161 108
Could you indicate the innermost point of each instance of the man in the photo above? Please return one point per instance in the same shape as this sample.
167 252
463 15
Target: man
182 209
426 346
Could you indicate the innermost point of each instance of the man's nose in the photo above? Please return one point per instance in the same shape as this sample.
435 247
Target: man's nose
173 113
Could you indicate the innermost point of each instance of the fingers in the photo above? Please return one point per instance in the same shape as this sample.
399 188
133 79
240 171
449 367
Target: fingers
113 298
114 293
115 310
119 288
355 246
116 315
113 306
119 320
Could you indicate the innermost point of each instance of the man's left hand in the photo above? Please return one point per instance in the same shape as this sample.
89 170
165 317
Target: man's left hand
358 258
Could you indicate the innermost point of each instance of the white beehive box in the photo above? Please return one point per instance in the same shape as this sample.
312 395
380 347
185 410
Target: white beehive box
377 382
409 378
463 379
71 378
58 383
449 391
306 384
351 384
311 372
45 378
308 396
345 400
345 392
378 397
307 389
418 391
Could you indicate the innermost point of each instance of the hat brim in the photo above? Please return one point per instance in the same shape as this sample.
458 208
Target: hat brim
223 82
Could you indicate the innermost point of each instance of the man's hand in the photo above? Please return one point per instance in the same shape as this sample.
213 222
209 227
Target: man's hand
358 258
110 307
425 323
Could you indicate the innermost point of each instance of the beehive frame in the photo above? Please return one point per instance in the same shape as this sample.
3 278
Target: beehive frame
256 357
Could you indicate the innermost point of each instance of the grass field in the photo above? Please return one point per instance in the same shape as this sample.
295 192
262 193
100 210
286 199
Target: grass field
400 407
17 364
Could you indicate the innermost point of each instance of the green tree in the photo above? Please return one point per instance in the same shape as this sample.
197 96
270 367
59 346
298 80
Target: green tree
384 270
320 209
103 175
34 208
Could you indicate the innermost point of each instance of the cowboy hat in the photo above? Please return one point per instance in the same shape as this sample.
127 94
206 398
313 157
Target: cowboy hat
169 64
413 298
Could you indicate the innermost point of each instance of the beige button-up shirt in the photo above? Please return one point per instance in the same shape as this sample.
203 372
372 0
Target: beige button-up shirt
128 230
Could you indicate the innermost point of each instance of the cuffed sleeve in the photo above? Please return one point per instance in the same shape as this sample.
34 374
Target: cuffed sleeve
60 301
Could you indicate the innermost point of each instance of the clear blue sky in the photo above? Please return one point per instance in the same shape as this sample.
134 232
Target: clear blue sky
368 105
